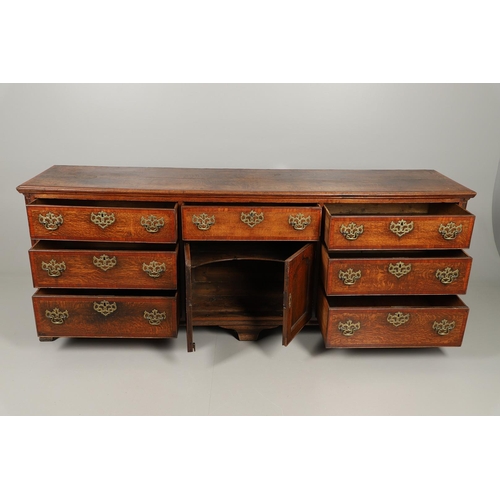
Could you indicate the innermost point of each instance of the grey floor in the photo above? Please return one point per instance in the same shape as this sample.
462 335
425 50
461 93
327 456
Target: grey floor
228 377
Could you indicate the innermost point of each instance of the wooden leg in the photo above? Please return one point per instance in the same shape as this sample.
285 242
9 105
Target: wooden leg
248 332
47 339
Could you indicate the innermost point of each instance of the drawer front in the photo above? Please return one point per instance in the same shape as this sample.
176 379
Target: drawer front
348 232
57 222
103 269
250 223
404 326
105 316
398 275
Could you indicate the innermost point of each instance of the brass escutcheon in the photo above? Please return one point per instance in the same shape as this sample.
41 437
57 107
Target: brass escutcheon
104 262
152 224
155 317
352 231
401 227
102 219
203 221
349 327
54 268
350 276
50 221
450 231
447 275
57 316
299 221
252 218
104 307
443 327
398 319
154 269
400 269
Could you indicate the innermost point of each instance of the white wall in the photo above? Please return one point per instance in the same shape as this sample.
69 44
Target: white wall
451 128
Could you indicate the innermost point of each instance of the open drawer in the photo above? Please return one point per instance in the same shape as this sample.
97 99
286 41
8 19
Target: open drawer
392 321
56 264
103 221
397 226
93 313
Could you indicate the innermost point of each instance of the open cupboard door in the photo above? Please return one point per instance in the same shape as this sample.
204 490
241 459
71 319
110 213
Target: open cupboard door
297 296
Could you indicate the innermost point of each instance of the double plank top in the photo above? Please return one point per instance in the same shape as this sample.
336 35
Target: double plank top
166 183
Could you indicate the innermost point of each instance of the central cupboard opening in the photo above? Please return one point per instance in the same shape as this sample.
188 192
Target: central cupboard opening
249 286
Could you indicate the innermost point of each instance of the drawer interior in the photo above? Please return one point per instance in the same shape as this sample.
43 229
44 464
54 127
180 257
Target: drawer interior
417 301
61 246
395 209
397 254
74 292
102 203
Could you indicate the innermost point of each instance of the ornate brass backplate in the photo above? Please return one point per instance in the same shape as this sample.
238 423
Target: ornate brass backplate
398 319
443 327
155 317
102 219
57 316
154 269
203 221
401 227
104 262
447 276
152 224
54 268
350 276
450 231
50 221
252 218
299 221
400 269
349 328
352 231
104 307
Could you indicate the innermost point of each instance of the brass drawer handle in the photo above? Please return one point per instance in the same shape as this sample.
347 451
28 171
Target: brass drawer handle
155 317
203 221
447 276
350 276
252 218
57 316
351 231
401 227
299 221
450 231
349 328
104 307
154 269
104 262
54 268
152 224
443 327
50 221
398 319
102 219
400 269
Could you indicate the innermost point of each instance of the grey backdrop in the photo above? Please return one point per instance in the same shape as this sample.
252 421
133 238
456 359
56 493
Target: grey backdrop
448 127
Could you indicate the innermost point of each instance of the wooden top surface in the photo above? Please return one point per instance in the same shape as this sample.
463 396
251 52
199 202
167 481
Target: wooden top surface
252 184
